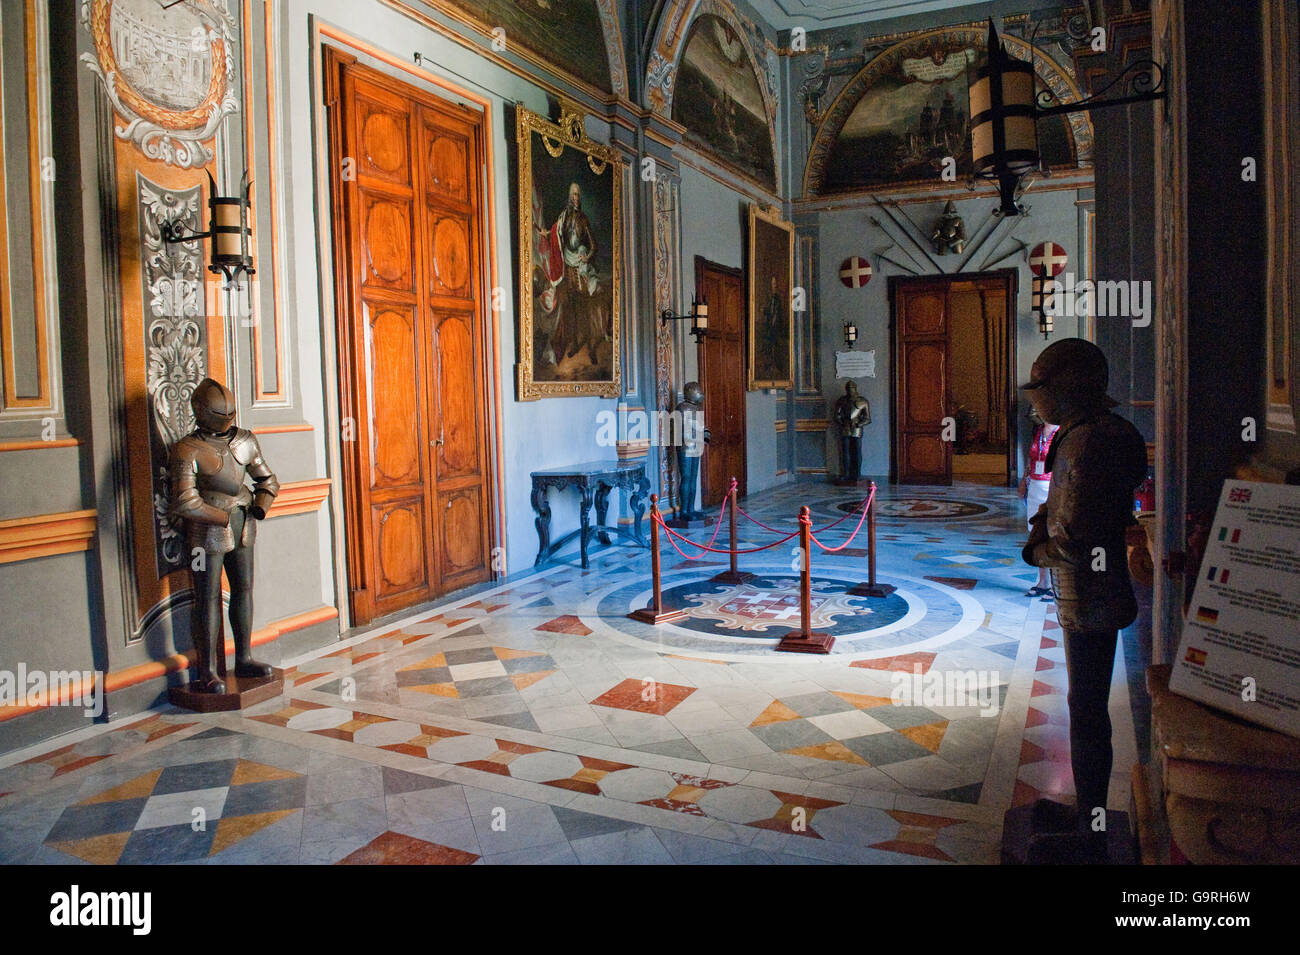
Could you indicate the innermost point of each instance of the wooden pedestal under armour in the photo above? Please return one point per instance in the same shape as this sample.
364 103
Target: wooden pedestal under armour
241 693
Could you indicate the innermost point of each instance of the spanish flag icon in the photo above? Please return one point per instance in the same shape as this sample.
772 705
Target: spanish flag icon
1207 614
1195 656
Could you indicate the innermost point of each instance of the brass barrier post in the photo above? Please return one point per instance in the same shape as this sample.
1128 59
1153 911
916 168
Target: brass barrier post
732 576
655 613
871 588
804 640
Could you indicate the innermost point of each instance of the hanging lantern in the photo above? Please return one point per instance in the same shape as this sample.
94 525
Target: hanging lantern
1004 133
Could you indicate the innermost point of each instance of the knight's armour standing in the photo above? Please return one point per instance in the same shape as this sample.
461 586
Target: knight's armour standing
208 469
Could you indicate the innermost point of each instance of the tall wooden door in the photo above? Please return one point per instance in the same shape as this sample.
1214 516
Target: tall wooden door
722 376
922 368
412 374
921 384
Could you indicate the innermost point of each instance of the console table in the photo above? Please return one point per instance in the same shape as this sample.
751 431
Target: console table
594 480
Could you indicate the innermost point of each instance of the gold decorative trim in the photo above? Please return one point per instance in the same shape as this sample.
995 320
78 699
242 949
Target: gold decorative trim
44 535
812 424
300 497
781 425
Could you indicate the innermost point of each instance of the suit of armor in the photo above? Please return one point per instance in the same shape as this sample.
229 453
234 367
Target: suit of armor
852 413
688 457
1096 460
208 468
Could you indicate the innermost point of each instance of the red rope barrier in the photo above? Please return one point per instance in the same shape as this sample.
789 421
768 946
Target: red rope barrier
865 511
820 530
717 526
713 550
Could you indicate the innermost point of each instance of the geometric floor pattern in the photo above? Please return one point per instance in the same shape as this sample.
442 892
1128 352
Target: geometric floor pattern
533 722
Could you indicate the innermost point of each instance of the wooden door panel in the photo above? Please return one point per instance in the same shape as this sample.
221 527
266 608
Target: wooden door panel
383 135
925 314
446 166
458 422
924 365
400 549
451 259
397 448
921 386
386 242
461 551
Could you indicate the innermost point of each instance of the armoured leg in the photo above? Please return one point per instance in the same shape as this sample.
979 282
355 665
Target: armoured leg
239 569
205 625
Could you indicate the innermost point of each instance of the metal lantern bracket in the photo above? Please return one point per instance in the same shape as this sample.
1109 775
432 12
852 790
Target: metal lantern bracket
1144 79
173 230
667 316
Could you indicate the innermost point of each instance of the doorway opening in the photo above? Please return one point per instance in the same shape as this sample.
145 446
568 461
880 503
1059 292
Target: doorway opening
953 384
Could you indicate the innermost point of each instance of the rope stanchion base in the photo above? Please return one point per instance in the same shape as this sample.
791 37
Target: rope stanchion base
796 641
727 577
648 615
871 590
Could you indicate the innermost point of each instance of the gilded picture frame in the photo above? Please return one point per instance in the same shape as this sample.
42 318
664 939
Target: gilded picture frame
570 260
770 312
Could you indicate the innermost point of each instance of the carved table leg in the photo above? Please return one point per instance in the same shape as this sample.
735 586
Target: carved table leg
637 503
543 522
585 513
602 509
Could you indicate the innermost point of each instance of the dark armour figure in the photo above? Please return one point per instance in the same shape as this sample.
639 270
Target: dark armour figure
208 469
1096 459
688 453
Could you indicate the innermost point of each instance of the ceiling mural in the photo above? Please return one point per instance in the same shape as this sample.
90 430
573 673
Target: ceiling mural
908 109
720 99
559 32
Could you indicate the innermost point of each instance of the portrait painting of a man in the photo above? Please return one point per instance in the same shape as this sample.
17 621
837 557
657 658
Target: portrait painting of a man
569 195
771 319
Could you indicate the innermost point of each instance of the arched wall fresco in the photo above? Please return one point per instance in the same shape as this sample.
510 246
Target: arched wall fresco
721 102
558 34
926 54
669 43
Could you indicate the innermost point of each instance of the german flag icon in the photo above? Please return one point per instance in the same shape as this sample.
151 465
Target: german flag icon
1207 614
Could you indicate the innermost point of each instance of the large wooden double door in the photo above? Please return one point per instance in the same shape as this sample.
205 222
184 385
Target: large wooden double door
722 376
407 217
924 409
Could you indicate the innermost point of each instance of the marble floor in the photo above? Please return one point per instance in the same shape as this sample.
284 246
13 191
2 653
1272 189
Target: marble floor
534 722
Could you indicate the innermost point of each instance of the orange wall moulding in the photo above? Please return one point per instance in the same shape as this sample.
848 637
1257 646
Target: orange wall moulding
283 428
38 445
300 497
44 535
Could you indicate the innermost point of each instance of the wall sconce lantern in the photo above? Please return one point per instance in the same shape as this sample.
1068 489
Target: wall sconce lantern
1005 107
850 334
698 315
1042 302
227 228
